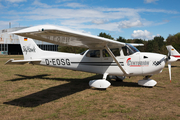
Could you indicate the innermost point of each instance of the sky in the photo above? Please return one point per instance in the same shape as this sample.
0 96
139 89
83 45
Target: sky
130 19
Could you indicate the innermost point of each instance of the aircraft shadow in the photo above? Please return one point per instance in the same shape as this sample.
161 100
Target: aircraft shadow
125 84
172 66
24 77
57 92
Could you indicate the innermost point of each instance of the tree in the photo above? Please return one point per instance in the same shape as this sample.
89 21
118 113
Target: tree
138 41
121 39
105 35
174 40
160 41
149 46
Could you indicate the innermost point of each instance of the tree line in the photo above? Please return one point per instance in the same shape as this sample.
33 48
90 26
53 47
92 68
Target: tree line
156 45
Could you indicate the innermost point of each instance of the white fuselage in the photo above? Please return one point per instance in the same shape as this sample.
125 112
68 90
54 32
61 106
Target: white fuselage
139 63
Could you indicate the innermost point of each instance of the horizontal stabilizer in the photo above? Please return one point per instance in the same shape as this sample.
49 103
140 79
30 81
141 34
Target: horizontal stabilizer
136 44
22 62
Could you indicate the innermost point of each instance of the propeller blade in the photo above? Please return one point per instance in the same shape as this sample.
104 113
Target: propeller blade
169 52
169 67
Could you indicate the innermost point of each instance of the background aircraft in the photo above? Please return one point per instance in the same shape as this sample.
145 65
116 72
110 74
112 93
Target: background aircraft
105 56
173 52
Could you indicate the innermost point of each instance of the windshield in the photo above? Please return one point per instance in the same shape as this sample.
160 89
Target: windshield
83 52
129 49
134 49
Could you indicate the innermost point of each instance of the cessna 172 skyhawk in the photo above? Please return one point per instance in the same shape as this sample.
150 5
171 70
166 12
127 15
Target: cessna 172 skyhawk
107 57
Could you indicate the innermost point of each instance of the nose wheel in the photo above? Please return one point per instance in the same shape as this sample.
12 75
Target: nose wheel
147 82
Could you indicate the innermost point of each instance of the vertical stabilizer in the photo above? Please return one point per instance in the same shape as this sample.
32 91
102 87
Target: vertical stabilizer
172 51
29 48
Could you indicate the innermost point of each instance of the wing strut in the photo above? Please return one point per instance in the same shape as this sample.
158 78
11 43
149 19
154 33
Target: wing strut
114 58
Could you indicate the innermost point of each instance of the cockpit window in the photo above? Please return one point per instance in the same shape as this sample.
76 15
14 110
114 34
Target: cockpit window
93 53
129 49
115 51
134 49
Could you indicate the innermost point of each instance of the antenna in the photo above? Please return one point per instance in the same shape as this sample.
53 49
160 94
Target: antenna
9 24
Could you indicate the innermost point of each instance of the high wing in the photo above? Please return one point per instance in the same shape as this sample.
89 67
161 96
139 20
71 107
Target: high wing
64 37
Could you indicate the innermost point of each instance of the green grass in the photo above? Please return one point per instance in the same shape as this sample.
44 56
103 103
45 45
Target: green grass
44 93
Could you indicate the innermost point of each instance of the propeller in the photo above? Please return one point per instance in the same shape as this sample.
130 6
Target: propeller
170 59
169 67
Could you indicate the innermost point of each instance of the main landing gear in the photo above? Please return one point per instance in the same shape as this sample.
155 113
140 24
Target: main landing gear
147 82
117 78
100 83
103 83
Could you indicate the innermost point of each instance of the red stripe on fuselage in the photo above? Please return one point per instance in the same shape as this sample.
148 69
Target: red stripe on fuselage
177 56
139 65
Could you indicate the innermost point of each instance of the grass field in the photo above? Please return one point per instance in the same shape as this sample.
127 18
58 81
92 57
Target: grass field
30 92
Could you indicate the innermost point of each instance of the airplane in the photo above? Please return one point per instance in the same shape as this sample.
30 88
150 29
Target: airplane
104 56
173 52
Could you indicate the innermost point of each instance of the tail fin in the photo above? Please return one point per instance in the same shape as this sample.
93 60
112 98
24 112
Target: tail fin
172 50
29 48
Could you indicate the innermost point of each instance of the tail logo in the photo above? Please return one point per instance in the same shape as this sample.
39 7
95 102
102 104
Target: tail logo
27 49
25 39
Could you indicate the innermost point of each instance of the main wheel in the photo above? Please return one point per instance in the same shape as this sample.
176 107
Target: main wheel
120 78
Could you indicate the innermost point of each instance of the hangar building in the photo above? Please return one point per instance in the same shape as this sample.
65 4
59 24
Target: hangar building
9 43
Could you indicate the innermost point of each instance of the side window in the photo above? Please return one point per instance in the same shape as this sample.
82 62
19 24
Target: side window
105 53
115 51
93 53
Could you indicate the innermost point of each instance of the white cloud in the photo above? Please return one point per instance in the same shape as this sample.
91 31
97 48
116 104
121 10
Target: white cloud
74 5
145 35
13 1
157 11
129 24
150 1
111 19
1 6
59 1
99 21
39 4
